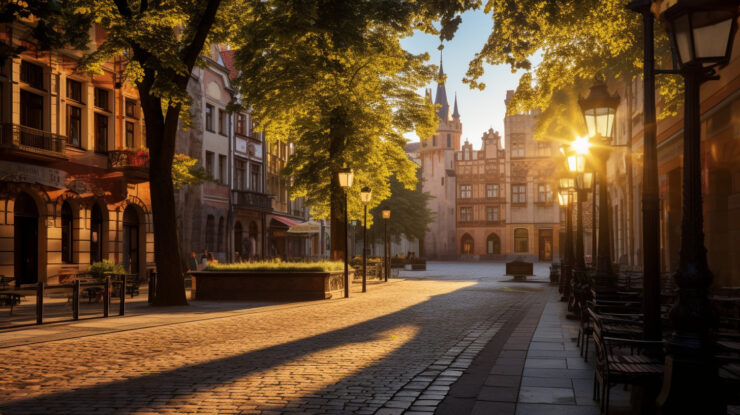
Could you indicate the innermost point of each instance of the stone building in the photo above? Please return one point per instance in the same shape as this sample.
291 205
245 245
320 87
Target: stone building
437 156
481 198
73 165
533 214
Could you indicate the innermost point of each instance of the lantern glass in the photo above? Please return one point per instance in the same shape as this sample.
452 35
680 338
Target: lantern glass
566 183
600 121
365 194
588 179
386 213
576 163
711 30
563 198
345 178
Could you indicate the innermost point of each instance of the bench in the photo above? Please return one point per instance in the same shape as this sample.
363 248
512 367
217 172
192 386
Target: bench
10 299
519 269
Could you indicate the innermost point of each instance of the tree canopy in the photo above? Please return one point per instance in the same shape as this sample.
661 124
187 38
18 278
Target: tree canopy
410 215
573 42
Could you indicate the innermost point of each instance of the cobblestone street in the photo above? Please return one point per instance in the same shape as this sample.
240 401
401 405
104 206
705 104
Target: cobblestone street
400 342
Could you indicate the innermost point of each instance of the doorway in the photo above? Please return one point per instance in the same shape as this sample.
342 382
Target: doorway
131 240
26 240
545 243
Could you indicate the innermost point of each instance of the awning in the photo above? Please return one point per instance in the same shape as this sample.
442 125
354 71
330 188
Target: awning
306 227
285 221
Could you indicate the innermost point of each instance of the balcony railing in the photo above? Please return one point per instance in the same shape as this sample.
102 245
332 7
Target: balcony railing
133 163
248 199
480 223
19 137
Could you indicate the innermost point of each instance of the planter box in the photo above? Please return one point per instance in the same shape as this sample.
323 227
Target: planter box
267 286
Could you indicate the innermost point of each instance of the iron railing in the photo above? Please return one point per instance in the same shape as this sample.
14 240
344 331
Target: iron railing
30 139
246 198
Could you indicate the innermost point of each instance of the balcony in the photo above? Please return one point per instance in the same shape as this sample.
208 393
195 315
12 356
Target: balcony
134 164
32 143
253 200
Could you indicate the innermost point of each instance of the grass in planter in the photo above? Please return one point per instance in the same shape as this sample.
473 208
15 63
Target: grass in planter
269 266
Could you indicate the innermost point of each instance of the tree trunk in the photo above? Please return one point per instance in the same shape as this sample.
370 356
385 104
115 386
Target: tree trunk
338 136
161 136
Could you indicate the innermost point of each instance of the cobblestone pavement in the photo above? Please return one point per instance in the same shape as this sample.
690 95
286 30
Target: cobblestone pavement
397 347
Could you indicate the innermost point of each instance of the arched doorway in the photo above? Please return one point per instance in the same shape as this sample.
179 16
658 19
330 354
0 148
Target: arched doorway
466 245
131 240
220 236
493 244
67 234
210 233
238 238
26 240
252 239
96 234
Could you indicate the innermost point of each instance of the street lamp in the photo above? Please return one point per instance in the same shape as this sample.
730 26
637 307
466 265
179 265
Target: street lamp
386 217
345 181
599 111
365 195
701 33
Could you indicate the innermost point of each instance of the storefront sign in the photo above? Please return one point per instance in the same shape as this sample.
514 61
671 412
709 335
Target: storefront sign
17 172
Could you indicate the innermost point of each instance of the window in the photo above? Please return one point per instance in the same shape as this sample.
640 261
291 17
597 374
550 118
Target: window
467 154
465 191
517 150
32 110
449 140
210 161
255 185
67 242
130 134
544 193
209 118
543 149
223 128
74 90
466 214
32 74
74 125
222 169
521 240
492 213
130 108
101 133
491 191
518 193
101 98
240 174
241 124
434 140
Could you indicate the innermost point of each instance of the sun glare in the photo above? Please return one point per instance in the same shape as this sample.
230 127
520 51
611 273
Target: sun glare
581 145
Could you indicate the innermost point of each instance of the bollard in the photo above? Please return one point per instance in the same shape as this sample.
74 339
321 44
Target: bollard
40 303
122 305
106 296
76 300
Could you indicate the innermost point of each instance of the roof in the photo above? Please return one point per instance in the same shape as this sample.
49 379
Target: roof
412 147
440 97
228 57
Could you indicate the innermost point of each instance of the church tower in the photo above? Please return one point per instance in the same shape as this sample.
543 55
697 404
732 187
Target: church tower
438 173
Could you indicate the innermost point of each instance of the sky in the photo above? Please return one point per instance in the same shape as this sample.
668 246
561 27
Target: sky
479 110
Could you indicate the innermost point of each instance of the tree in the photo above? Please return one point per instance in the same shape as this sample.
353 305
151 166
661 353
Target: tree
577 41
160 42
332 78
410 215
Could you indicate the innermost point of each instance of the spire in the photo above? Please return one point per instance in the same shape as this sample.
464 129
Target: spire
441 97
455 113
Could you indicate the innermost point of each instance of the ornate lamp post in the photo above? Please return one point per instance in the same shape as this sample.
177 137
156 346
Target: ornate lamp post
365 195
701 33
583 180
599 111
345 181
386 252
564 199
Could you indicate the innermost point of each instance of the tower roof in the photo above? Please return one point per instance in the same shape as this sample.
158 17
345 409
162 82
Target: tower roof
441 97
455 113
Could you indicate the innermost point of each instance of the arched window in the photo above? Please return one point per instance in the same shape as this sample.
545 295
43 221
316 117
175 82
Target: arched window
449 140
220 239
131 239
67 242
466 244
96 234
521 240
493 244
210 233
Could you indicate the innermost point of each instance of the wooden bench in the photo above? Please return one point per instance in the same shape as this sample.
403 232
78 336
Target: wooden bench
8 299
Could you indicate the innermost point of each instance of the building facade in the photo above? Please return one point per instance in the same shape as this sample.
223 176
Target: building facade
73 166
481 199
437 155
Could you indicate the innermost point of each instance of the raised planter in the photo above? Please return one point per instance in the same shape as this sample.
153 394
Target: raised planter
267 286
